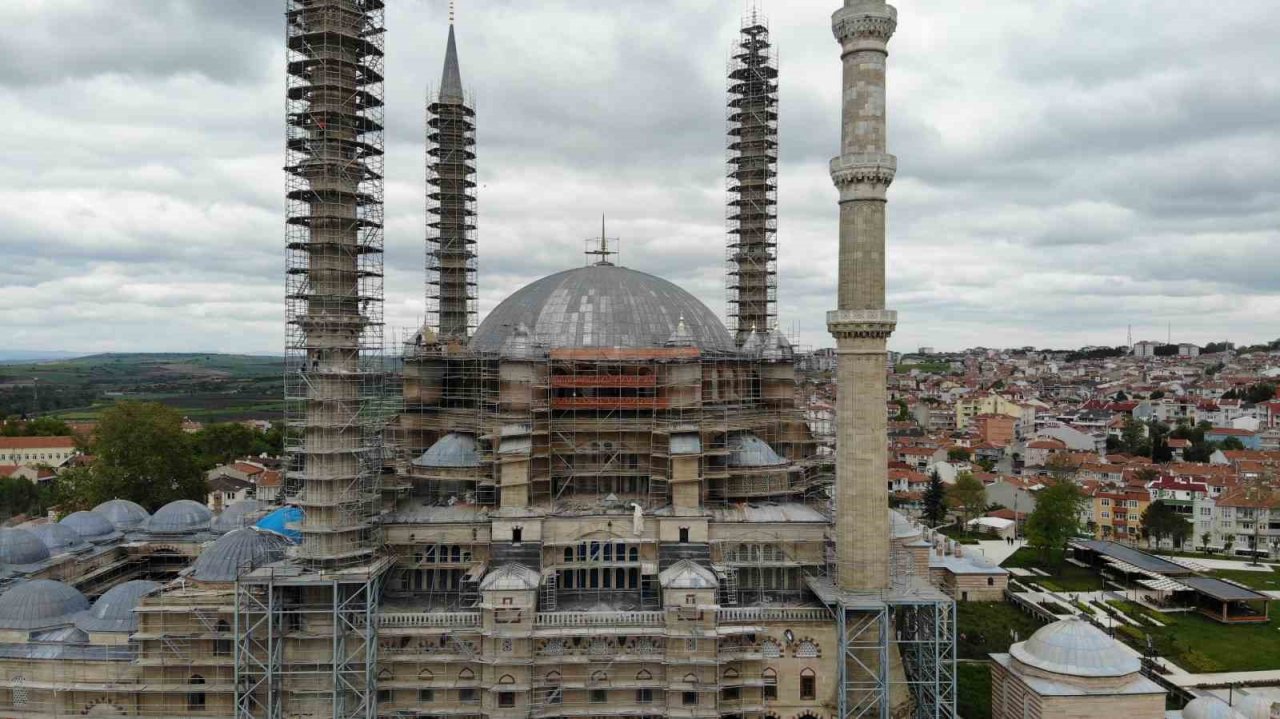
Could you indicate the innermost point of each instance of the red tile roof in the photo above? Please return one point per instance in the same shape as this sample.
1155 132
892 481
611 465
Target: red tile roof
37 442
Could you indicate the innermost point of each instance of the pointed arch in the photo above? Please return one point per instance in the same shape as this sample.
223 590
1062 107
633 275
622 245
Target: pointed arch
466 674
644 675
426 675
506 679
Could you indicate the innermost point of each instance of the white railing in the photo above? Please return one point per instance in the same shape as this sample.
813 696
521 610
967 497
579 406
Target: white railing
429 619
598 619
772 614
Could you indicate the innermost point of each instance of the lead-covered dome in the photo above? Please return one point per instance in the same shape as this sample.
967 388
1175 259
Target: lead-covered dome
1075 648
59 538
40 603
601 306
113 611
236 552
182 516
19 546
92 526
123 514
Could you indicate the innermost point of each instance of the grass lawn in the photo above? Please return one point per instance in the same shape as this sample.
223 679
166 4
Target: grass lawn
1199 644
1256 580
983 628
973 690
1064 577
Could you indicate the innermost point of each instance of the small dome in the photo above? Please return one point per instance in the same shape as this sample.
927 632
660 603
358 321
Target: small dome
1076 648
748 450
1253 706
236 552
240 514
113 611
454 450
182 516
902 527
40 603
93 527
1209 707
776 347
59 538
19 546
123 514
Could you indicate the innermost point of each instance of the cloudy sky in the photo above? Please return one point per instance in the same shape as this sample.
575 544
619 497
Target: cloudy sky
1067 167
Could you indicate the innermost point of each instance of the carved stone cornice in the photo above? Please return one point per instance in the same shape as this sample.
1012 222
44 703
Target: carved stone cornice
863 176
861 324
865 23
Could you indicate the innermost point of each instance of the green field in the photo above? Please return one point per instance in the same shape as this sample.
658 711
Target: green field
205 387
1064 577
1199 644
986 627
1256 580
973 690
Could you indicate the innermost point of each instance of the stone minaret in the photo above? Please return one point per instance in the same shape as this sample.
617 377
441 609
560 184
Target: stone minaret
451 204
861 325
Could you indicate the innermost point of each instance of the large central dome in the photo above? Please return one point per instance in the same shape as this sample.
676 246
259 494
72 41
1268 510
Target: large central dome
601 306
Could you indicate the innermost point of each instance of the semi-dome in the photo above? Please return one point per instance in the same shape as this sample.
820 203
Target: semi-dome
40 603
237 515
748 450
236 552
92 526
59 538
1253 706
123 514
182 516
20 546
454 450
1076 648
602 306
113 611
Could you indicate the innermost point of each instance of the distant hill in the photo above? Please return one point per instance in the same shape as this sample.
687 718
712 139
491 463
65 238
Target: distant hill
203 386
8 356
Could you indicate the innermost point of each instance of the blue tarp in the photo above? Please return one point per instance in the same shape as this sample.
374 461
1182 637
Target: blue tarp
283 521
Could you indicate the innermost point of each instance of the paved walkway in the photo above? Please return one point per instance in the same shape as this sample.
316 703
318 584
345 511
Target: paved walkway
997 550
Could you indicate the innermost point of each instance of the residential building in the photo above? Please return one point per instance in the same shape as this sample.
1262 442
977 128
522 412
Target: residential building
37 451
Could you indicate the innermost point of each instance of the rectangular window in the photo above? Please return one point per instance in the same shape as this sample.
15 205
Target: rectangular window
730 694
426 696
599 696
689 698
644 696
506 699
468 695
385 696
808 687
770 691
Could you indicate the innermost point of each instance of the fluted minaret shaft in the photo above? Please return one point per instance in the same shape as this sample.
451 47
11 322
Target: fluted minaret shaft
861 325
334 272
451 204
751 275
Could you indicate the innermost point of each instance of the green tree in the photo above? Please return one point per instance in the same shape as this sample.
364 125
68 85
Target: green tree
904 413
968 496
1133 437
1161 521
1260 392
1204 540
225 441
1055 520
959 454
141 454
21 496
935 501
1231 443
38 427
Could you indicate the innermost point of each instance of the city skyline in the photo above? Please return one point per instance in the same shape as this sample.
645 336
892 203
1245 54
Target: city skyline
1055 191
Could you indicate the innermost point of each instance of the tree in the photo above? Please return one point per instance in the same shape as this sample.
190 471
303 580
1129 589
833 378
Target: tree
968 495
223 442
1056 518
958 454
1161 521
1133 437
935 500
1204 540
904 413
1158 394
38 427
21 496
1231 443
141 454
1261 392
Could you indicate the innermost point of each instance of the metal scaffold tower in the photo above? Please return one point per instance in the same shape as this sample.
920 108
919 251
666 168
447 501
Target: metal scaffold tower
451 205
751 277
334 288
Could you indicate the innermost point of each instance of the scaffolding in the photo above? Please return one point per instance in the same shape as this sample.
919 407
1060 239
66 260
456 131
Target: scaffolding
451 205
334 280
751 276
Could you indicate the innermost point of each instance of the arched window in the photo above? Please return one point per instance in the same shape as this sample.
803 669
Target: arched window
385 675
195 698
425 675
731 673
598 676
808 685
643 675
770 676
222 645
770 649
807 649
691 678
466 674
507 679
19 690
553 677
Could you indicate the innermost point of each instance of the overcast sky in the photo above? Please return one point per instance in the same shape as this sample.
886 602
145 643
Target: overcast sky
1066 167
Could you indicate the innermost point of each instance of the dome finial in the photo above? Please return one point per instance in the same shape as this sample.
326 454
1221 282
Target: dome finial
602 248
451 9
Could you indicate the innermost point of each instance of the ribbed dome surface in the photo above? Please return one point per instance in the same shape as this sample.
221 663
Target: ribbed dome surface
1208 707
601 306
19 546
748 450
122 513
40 603
113 611
1075 648
92 526
238 551
235 516
59 538
182 516
1253 706
454 450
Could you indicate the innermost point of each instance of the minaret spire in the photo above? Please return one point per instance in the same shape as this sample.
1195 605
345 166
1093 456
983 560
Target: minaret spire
451 203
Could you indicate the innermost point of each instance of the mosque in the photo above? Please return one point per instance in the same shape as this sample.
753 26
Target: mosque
601 501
